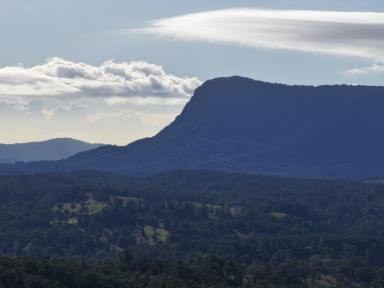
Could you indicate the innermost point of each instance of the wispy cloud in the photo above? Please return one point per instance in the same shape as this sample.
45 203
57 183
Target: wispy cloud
17 103
358 34
145 118
141 101
60 78
376 68
48 113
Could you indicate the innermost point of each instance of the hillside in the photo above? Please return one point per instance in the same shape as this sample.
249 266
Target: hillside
273 231
243 125
54 149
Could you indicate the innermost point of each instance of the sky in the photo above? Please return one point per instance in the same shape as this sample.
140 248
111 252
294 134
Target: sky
116 71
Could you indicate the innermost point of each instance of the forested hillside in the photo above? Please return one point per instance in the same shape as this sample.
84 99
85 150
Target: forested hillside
126 272
303 232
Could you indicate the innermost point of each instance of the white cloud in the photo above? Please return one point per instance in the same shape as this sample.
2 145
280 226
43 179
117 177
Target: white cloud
376 68
112 102
65 79
359 34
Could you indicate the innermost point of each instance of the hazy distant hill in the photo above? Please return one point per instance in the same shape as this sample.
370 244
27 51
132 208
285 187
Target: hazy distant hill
54 149
239 124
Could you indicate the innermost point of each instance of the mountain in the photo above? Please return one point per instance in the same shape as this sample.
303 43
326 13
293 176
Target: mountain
54 149
239 124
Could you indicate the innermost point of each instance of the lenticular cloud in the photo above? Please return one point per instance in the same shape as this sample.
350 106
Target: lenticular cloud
61 78
359 34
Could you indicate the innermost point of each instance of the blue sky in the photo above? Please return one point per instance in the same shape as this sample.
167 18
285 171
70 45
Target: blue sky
92 32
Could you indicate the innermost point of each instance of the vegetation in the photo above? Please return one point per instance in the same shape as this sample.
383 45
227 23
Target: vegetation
126 272
274 232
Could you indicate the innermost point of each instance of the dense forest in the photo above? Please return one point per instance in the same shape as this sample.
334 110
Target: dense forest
241 230
127 271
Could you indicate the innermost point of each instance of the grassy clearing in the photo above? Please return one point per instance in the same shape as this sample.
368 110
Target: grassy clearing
70 221
95 207
162 235
279 216
235 211
73 221
202 205
125 200
89 207
69 207
155 235
212 208
149 233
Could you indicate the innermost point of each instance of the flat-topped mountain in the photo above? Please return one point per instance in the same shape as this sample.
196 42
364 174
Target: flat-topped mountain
54 149
238 124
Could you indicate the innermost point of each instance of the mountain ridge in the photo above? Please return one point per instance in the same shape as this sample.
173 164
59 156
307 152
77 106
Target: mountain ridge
243 125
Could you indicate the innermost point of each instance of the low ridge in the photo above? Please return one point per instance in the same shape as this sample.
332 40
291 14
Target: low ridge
53 149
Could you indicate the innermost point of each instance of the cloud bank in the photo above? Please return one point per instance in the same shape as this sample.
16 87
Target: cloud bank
61 78
358 34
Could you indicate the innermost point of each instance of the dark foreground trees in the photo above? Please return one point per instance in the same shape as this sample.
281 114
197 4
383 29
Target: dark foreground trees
125 272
